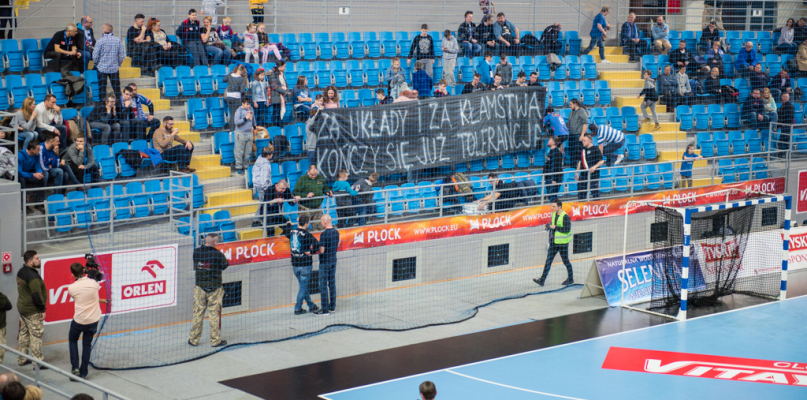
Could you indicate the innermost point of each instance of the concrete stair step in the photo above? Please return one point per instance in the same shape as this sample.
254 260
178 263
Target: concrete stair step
612 58
224 198
193 137
236 209
675 155
618 66
249 234
127 62
665 127
661 136
206 173
626 83
151 93
230 182
129 73
607 75
161 104
207 160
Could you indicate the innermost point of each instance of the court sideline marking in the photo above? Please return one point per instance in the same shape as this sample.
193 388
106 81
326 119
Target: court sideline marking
511 387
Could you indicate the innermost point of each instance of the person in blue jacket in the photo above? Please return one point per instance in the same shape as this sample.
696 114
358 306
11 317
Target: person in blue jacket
485 70
344 200
598 33
422 82
29 170
558 124
746 60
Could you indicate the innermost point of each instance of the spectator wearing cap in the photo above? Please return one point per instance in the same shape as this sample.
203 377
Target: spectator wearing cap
469 37
422 50
108 56
262 178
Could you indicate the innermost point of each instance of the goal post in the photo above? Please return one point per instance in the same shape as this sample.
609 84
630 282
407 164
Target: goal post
712 250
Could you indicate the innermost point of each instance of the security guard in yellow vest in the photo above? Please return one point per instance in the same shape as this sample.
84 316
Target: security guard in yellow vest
560 234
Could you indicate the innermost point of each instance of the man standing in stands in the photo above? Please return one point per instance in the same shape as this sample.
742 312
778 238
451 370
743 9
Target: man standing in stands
262 178
588 170
328 244
631 41
163 140
192 38
142 120
5 305
476 85
553 170
578 126
610 141
49 119
365 197
32 299
787 114
423 51
560 131
303 246
311 186
468 37
599 33
108 57
273 203
86 31
136 42
208 262
549 39
87 312
560 234
66 46
508 36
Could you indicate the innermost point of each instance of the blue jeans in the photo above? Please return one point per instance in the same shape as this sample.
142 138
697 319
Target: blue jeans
552 189
197 49
609 151
361 211
596 42
219 56
327 285
87 332
56 174
27 137
471 50
303 274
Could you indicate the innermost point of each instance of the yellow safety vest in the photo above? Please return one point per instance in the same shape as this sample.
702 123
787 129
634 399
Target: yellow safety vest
560 238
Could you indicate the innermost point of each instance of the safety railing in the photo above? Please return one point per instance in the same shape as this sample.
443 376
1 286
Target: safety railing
106 394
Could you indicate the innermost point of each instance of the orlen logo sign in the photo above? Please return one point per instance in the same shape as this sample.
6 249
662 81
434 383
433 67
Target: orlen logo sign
590 210
801 202
377 236
146 289
491 223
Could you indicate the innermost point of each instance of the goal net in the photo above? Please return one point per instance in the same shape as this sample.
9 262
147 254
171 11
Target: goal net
702 254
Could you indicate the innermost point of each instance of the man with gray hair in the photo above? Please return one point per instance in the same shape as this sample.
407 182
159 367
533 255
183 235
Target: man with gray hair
746 60
108 56
66 45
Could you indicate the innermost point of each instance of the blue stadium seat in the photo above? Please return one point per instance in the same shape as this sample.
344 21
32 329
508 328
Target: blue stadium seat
121 203
634 148
683 115
167 82
159 200
648 146
603 92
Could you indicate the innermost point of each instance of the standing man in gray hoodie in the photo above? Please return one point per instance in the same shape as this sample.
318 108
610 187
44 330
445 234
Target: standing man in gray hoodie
450 50
262 179
244 121
505 69
578 127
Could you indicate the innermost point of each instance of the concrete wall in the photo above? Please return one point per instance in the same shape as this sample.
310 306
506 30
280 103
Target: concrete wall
11 241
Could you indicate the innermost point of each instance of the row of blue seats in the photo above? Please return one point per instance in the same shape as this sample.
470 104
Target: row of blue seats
16 88
716 117
771 63
589 93
26 54
735 143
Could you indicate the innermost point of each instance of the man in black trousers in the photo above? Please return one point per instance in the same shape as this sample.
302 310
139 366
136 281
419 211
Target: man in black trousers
560 234
553 169
328 244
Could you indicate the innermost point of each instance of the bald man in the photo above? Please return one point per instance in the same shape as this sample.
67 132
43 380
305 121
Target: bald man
8 377
328 244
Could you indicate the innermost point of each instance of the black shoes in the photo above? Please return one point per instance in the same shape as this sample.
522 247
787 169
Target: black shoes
568 282
322 312
539 281
313 308
300 311
222 343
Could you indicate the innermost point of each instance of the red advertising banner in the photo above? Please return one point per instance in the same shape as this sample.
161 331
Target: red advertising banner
801 201
706 366
275 248
57 277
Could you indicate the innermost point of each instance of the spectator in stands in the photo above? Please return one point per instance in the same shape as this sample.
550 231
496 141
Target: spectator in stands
49 118
468 36
485 68
143 121
331 97
578 127
32 300
712 86
505 69
262 178
208 293
130 125
558 124
507 35
87 311
237 84
25 122
681 57
273 199
365 197
191 37
609 140
85 30
137 43
422 82
108 57
302 97
553 169
498 83
800 31
80 159
450 50
668 86
781 82
319 103
311 135
256 8
266 46
709 35
312 186
683 89
407 95
422 50
487 39
476 85
8 377
598 33
632 43
106 118
225 32
210 9
13 391
244 122
787 114
770 105
534 79
258 89
714 57
754 111
7 18
344 194
279 91
213 44
52 165
686 166
303 246
758 79
251 43
164 137
521 80
746 60
549 39
427 389
650 94
661 33
162 52
588 170
395 77
785 45
30 173
5 305
66 46
801 58
442 89
328 244
492 197
32 393
383 98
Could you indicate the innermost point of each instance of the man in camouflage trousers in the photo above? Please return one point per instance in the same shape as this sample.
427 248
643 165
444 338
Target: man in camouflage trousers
31 301
208 293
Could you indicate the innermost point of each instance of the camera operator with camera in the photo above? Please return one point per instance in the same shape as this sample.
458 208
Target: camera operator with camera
87 312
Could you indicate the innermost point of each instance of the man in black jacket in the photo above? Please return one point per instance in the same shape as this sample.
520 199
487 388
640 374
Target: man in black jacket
85 30
192 38
136 44
631 41
365 197
67 45
549 39
208 262
786 116
486 38
469 37
476 85
800 31
681 57
553 169
303 246
422 50
710 35
754 111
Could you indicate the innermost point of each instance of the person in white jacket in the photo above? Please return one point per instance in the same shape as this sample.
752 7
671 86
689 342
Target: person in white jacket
49 119
209 8
450 49
262 178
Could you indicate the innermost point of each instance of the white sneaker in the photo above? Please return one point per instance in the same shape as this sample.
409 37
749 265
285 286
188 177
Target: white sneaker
619 159
606 62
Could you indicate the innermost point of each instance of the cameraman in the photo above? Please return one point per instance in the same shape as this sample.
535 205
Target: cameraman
85 318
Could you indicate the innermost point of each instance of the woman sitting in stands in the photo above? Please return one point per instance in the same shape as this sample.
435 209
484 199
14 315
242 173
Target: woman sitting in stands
213 43
714 57
24 122
302 98
785 44
331 97
770 105
711 85
164 52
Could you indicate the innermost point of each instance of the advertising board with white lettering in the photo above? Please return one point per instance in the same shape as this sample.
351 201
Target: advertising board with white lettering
798 249
136 280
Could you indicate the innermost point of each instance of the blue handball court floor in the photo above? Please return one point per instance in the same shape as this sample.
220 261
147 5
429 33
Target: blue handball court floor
759 352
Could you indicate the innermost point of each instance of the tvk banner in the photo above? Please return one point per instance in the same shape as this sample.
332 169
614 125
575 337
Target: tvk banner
267 249
133 280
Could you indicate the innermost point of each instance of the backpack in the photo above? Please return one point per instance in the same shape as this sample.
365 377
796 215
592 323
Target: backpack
530 40
462 186
281 144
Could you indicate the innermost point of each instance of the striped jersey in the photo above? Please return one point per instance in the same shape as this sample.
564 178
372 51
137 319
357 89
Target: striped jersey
606 134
